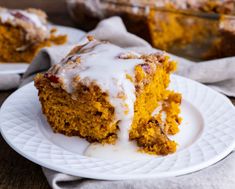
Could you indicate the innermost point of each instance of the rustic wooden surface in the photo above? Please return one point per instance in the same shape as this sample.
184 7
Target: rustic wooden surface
17 172
56 9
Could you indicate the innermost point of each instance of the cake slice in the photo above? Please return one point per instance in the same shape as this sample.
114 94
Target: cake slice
23 33
107 94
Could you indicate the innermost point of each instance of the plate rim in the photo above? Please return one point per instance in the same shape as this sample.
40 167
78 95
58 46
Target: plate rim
14 71
101 176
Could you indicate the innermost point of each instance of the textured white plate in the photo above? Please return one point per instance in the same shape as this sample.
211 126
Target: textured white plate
74 36
13 68
207 135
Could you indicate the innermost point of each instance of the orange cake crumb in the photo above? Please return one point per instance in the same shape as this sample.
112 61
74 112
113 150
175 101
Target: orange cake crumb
23 33
110 94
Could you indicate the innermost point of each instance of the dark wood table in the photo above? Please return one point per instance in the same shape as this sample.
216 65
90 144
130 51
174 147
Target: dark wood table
16 172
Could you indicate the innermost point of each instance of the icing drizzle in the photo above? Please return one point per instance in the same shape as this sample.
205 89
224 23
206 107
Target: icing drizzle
10 16
107 66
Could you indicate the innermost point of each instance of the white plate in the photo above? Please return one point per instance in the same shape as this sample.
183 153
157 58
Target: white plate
13 68
206 136
74 36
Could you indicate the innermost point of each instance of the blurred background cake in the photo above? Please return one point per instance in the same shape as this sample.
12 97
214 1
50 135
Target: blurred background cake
188 28
195 29
23 33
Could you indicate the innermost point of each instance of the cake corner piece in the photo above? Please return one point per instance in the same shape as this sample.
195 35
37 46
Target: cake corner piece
109 95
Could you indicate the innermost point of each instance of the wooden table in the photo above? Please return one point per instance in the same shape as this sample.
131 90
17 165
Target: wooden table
16 172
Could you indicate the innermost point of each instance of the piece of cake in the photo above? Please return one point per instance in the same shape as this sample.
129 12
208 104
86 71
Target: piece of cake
23 33
107 94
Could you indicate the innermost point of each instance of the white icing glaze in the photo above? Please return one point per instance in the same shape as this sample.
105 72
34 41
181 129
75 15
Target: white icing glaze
147 10
119 151
6 16
135 9
157 110
163 114
122 150
35 19
107 66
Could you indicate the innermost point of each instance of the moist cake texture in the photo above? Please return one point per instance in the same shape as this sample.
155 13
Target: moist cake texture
23 33
110 95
